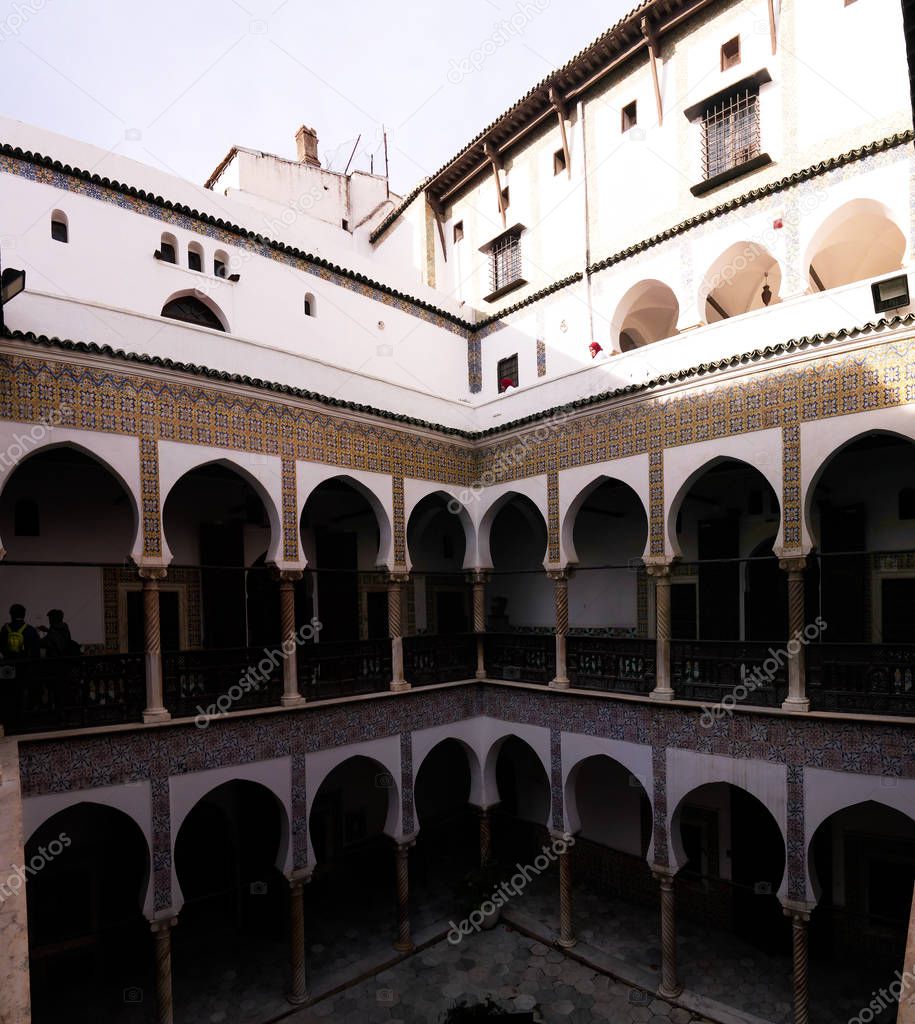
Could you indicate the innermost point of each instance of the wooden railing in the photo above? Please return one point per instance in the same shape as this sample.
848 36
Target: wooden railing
344 669
619 664
229 679
522 657
870 678
439 659
708 670
71 693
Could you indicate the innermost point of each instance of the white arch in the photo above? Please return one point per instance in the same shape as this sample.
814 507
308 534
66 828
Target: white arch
494 733
828 792
134 800
649 310
416 491
736 280
634 757
263 472
687 770
684 465
385 753
467 733
822 440
186 791
118 454
492 499
376 488
199 294
576 485
858 240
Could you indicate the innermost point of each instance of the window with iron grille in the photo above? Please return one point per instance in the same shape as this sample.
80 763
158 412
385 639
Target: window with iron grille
507 373
504 262
730 133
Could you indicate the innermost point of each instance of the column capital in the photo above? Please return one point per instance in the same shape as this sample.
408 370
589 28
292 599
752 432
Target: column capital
560 574
405 842
161 924
662 873
479 576
284 575
398 576
659 568
792 563
797 910
152 572
300 876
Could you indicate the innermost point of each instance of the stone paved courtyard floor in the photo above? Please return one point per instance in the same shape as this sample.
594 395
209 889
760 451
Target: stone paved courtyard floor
516 972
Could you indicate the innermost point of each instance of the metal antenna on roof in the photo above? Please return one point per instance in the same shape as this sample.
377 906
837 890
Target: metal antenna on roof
348 162
387 180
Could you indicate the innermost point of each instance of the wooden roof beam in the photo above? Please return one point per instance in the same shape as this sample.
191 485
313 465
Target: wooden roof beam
562 113
652 44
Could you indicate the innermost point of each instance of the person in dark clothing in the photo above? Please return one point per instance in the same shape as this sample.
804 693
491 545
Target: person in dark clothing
18 640
57 641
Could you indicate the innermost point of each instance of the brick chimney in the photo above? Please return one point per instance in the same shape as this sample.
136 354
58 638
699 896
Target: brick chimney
306 141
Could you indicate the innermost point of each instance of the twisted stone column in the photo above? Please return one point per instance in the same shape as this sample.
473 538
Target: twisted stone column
566 932
797 684
478 579
485 836
298 970
660 572
404 943
288 579
800 918
670 986
396 582
162 942
560 578
155 710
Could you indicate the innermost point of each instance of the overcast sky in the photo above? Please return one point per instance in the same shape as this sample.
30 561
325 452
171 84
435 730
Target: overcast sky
176 82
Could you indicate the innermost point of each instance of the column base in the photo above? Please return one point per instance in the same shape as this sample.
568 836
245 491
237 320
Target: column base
567 943
661 693
797 704
404 947
289 700
559 683
479 674
156 715
295 1000
666 993
399 685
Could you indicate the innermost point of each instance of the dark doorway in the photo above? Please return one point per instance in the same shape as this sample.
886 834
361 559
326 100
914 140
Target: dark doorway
843 572
719 581
338 584
451 611
897 603
683 611
766 596
222 585
757 866
377 606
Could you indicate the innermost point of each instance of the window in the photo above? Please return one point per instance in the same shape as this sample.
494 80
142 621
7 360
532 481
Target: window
730 53
195 257
730 132
630 116
559 161
458 232
309 305
59 227
220 262
26 520
504 263
505 198
507 373
168 249
192 311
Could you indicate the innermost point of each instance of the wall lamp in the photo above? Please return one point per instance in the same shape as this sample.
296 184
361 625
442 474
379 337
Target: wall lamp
893 293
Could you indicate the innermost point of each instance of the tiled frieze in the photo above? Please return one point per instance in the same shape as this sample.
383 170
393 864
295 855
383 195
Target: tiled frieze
557 809
552 504
406 783
290 512
399 524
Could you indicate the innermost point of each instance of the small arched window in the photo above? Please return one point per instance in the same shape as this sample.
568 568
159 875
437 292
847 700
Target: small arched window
191 310
26 520
220 262
309 304
195 256
168 249
60 226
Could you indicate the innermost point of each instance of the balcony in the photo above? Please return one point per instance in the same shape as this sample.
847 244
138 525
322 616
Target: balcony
439 659
611 664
